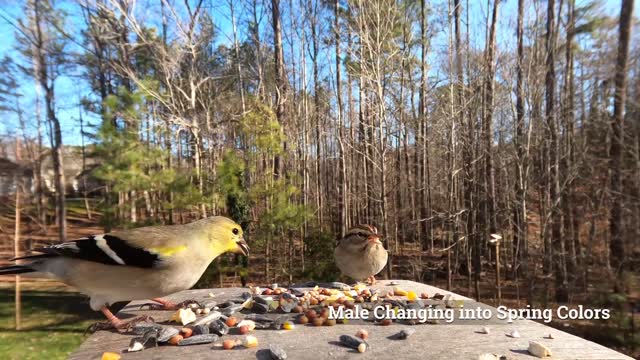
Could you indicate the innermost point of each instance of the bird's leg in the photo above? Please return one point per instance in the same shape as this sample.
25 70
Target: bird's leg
169 305
115 323
371 280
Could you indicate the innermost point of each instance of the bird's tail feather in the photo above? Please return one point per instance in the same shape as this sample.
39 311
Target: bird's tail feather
31 257
15 270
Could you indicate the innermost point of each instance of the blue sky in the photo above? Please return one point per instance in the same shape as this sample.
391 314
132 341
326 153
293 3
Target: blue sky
70 88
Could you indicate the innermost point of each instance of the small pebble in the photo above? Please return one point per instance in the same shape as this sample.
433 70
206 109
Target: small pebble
485 330
206 310
318 321
489 356
303 320
424 295
212 294
405 333
549 337
330 322
386 322
394 282
198 311
228 344
514 334
277 353
243 329
538 349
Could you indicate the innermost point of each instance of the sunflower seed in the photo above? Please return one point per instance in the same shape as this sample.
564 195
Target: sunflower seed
167 333
277 353
200 330
353 342
214 315
218 327
198 339
232 309
260 308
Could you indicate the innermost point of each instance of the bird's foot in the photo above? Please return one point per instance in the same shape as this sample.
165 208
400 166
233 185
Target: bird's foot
118 325
169 305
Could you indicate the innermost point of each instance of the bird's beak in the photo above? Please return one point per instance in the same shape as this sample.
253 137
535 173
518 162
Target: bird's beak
374 239
242 247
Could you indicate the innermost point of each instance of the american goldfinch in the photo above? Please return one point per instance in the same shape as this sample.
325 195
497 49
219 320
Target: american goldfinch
143 263
360 254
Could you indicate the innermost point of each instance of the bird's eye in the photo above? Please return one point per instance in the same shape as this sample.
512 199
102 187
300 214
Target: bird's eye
235 231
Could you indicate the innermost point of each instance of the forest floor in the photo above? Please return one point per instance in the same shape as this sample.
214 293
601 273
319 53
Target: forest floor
55 317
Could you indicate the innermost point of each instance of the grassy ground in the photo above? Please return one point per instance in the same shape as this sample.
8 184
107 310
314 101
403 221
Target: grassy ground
53 324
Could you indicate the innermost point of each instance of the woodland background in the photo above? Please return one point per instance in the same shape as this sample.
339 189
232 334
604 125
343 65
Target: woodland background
445 124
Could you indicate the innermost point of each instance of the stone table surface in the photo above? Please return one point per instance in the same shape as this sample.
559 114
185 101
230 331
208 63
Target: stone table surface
461 339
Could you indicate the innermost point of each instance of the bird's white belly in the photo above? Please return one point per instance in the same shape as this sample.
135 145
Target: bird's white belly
363 264
113 283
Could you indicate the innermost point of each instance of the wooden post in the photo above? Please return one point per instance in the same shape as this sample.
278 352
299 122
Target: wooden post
16 251
495 241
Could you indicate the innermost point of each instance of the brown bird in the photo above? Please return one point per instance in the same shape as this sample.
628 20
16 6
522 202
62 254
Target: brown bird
360 254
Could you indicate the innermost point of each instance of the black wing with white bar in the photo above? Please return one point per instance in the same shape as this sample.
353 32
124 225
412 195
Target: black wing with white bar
106 249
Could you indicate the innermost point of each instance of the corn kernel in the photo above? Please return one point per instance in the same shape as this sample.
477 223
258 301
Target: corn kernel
288 325
399 292
412 296
110 356
251 341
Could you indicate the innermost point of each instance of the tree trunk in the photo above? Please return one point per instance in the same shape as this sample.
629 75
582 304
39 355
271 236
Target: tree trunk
616 245
342 178
555 216
279 74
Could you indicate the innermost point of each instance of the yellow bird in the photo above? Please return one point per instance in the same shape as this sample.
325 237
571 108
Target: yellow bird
142 263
